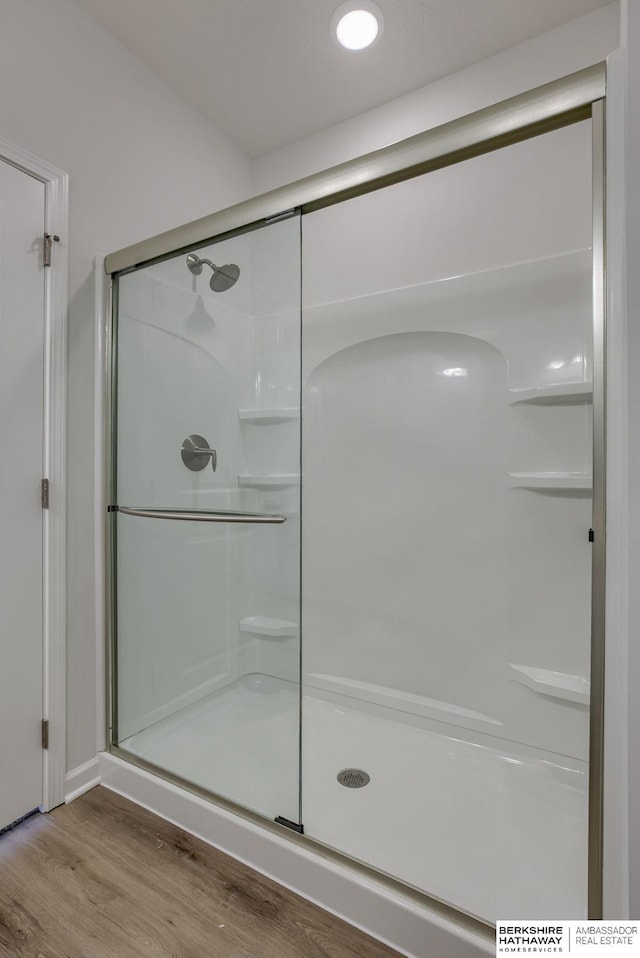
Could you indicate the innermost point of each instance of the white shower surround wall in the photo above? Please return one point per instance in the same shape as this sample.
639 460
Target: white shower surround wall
410 434
496 250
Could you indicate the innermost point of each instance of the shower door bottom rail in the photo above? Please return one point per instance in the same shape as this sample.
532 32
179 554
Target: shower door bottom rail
198 515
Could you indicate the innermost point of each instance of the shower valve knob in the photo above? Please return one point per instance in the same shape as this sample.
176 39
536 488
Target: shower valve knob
196 453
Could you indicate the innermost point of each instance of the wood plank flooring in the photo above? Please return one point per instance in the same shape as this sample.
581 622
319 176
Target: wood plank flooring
103 878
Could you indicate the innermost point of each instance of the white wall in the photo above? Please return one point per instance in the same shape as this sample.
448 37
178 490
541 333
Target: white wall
554 54
140 160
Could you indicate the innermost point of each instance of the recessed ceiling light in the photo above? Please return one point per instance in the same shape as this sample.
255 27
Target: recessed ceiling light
357 24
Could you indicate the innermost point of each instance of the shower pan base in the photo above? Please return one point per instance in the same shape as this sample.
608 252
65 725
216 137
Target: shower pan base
517 815
238 743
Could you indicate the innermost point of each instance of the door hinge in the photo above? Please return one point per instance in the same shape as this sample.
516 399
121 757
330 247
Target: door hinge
592 535
44 493
49 239
45 733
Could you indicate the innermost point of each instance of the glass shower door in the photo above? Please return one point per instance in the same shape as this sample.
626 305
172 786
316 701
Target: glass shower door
448 372
207 522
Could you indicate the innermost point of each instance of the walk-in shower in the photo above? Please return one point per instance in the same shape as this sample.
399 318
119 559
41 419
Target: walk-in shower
376 617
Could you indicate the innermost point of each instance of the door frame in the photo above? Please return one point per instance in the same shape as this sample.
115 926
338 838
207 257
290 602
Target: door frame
56 222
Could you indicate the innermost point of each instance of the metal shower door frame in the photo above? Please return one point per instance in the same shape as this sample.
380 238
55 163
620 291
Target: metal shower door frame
579 96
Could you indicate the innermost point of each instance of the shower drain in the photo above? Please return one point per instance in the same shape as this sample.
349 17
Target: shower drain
353 778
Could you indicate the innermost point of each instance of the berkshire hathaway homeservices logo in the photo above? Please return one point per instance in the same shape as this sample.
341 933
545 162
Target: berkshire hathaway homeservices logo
586 938
532 937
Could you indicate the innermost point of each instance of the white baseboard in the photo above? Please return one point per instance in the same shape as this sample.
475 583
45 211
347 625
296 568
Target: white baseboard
409 926
79 780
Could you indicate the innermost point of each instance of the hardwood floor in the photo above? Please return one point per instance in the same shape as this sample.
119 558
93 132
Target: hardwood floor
103 878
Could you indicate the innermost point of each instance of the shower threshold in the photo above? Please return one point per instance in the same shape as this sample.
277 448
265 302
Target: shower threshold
484 824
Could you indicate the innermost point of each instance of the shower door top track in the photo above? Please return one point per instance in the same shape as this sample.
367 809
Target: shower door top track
521 117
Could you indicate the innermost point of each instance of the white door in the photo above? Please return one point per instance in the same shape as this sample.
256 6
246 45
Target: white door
22 206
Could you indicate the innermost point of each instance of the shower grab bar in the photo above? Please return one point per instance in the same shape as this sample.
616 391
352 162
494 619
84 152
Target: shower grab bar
196 515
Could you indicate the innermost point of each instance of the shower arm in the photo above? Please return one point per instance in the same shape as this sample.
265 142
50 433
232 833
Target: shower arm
195 264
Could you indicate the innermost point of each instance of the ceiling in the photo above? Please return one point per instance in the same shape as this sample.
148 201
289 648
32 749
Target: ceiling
268 72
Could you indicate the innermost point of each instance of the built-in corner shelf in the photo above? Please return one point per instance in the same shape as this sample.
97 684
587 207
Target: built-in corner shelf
556 394
263 625
559 685
266 417
553 481
276 480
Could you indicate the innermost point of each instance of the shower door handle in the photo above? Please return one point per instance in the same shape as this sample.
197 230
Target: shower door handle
200 515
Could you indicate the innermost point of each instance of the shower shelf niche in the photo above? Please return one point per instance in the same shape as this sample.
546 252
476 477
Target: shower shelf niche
274 480
559 685
556 394
264 625
266 417
559 481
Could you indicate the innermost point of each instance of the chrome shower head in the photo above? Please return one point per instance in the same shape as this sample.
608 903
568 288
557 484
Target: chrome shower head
222 278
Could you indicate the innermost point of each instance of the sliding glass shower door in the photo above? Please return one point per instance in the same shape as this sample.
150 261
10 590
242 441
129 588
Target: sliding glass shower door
449 696
206 521
448 383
